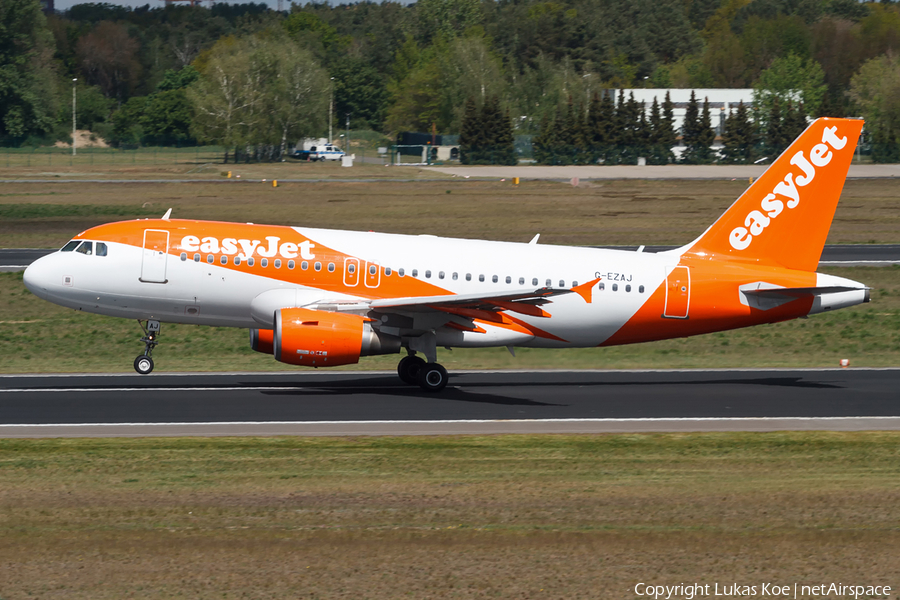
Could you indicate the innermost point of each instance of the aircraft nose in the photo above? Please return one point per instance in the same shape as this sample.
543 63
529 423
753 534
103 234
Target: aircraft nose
38 276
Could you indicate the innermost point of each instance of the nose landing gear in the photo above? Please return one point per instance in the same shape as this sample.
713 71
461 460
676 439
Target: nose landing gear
143 364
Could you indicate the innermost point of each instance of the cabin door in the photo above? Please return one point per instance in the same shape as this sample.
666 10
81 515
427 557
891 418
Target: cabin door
678 293
156 251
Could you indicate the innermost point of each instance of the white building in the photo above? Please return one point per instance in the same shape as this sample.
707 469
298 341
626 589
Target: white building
721 101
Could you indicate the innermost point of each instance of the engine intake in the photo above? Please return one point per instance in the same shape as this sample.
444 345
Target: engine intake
317 338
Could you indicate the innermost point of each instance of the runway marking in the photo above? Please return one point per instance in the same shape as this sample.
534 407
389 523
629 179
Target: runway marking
158 389
460 421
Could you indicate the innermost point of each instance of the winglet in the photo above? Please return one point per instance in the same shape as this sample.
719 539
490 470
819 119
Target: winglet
534 240
584 290
167 215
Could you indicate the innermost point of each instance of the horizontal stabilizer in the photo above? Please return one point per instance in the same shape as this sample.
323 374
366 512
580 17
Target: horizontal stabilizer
799 292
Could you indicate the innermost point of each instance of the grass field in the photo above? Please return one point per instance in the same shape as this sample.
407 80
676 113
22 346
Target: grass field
612 212
36 336
471 517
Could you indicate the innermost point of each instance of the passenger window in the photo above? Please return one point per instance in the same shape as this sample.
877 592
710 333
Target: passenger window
641 289
196 256
549 283
183 256
495 279
534 281
468 277
387 271
70 246
562 283
373 270
317 266
481 278
290 264
250 261
428 274
401 272
101 249
601 287
264 262
86 248
331 267
277 263
441 275
210 258
415 273
455 276
224 260
521 281
574 284
508 279
237 261
627 288
303 265
615 287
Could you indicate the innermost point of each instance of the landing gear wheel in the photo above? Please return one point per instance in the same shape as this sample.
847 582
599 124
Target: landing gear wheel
432 377
409 368
143 364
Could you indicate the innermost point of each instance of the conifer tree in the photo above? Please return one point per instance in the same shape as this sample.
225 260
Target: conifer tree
690 130
594 134
468 132
775 138
608 134
794 122
506 142
657 154
667 137
738 137
542 142
706 135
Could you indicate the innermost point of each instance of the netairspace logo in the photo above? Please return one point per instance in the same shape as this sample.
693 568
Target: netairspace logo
689 591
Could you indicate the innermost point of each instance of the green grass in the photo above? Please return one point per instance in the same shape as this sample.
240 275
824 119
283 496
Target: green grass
444 517
36 336
43 211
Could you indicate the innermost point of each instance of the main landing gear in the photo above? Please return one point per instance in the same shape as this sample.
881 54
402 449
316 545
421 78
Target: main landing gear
143 364
431 377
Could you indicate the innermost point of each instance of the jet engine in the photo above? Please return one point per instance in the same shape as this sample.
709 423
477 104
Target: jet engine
316 338
262 340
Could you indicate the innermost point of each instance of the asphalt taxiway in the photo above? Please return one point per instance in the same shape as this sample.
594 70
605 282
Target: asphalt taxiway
367 403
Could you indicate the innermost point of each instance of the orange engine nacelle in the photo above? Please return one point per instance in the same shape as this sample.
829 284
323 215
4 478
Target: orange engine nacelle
316 338
262 340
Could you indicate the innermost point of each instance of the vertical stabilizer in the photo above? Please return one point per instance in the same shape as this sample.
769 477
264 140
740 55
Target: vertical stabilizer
784 217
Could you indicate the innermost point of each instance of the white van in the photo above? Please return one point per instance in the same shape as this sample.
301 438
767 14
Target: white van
326 152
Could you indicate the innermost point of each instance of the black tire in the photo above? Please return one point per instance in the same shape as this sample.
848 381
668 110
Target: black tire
143 364
432 377
409 368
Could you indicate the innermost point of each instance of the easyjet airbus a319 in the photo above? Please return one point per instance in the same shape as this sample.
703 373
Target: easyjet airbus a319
323 298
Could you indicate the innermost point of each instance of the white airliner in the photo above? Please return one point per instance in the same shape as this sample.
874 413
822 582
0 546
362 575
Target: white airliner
323 298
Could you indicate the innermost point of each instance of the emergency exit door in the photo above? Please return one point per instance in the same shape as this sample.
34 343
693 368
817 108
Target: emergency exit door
156 251
678 293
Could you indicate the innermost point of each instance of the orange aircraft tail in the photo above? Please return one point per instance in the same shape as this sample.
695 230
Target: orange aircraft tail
784 217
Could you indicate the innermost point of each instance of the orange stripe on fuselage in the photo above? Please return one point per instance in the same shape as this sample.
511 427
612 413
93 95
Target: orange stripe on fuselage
390 286
715 303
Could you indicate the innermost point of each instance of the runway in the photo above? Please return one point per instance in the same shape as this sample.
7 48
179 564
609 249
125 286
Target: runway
367 403
17 259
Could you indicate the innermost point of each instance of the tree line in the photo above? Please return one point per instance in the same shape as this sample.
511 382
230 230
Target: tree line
148 75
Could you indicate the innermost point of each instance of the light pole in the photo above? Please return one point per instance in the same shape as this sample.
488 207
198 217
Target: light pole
330 110
73 116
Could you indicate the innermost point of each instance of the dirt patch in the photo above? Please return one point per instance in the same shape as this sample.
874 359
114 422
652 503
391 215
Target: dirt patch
84 138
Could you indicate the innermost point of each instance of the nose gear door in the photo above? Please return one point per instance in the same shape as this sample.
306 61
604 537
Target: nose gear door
678 293
156 251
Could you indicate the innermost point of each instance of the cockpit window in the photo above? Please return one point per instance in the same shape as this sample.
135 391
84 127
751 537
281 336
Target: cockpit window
101 249
86 248
70 246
